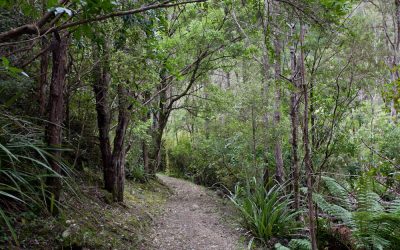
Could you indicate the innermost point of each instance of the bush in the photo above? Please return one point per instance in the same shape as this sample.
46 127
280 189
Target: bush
24 168
208 162
135 173
266 212
371 223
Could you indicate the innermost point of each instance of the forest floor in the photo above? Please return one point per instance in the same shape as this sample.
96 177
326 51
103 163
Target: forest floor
165 214
90 220
194 218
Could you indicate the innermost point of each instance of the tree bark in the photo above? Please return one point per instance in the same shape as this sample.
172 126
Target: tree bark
161 118
307 152
253 132
145 155
279 172
119 152
294 109
156 157
100 89
395 62
145 147
265 88
56 112
44 64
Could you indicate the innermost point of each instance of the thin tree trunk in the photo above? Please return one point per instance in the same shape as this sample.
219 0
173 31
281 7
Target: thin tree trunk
207 107
397 4
310 173
158 130
279 173
294 101
145 155
56 111
100 88
44 64
265 174
253 130
394 64
307 151
157 139
118 156
155 156
313 116
265 88
145 146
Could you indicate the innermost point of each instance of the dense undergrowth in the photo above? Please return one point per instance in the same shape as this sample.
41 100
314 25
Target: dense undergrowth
89 218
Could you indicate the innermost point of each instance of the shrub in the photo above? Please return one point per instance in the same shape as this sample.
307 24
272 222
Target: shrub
24 168
373 224
266 212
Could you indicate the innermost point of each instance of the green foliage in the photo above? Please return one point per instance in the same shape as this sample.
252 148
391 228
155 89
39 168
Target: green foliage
24 167
372 224
295 244
266 211
136 173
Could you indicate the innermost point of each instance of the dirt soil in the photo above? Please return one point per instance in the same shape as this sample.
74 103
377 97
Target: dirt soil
194 218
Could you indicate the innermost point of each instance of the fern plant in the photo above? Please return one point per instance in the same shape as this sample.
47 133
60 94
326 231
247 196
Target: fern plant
295 244
372 224
266 212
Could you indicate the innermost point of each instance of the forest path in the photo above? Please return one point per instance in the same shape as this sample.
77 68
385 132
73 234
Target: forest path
194 218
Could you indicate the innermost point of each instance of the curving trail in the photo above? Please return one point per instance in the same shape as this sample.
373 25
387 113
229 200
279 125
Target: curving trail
193 218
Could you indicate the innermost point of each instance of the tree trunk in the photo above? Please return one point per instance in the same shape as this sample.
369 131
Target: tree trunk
44 64
253 132
118 155
100 88
310 173
207 108
307 152
161 118
145 155
279 173
265 174
265 88
294 101
395 62
156 157
397 4
145 146
56 112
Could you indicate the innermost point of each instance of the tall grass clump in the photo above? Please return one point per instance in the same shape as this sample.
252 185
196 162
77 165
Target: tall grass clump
266 212
24 168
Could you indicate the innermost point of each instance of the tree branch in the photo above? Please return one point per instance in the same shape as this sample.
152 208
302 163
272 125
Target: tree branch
36 27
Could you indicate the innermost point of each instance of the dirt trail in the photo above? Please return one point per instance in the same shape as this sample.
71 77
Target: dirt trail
193 218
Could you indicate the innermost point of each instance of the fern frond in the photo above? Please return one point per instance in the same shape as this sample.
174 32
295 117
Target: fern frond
338 191
300 244
369 201
336 211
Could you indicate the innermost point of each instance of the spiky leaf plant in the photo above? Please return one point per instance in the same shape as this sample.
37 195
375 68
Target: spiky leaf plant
266 212
24 168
